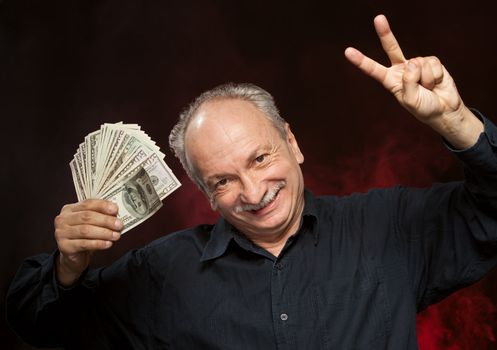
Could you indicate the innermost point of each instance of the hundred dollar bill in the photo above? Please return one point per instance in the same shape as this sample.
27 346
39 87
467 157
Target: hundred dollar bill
92 142
136 199
79 168
77 182
162 177
124 151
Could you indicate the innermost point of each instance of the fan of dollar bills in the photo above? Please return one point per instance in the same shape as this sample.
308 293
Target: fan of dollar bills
122 164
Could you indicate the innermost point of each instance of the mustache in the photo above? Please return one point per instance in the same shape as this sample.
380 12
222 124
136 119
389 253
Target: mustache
268 198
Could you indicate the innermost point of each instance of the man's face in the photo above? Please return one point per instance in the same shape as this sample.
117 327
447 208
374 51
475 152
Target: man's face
251 173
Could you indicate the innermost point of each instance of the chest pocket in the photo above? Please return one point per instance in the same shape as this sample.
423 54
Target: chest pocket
353 311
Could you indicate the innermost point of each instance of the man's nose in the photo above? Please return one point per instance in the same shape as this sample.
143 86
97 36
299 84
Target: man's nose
252 190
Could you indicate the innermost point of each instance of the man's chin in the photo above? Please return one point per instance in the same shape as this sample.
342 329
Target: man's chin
272 225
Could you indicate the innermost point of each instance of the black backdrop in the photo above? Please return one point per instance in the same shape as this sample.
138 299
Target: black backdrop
68 66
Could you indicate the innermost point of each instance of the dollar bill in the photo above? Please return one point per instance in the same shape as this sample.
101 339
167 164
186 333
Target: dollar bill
120 162
136 199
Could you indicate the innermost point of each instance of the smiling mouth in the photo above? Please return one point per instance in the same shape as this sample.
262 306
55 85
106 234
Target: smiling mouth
266 205
266 201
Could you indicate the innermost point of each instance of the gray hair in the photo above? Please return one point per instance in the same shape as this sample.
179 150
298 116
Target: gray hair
259 97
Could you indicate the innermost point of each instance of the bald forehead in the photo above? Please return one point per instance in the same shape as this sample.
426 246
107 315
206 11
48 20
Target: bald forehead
218 117
227 111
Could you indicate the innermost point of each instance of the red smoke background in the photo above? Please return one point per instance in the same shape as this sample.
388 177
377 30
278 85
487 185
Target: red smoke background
68 66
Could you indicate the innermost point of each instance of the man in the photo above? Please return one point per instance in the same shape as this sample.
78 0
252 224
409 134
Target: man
281 268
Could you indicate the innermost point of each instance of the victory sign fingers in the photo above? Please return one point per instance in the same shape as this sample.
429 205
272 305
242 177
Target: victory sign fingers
420 84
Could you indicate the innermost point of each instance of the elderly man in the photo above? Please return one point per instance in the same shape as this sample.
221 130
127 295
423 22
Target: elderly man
281 268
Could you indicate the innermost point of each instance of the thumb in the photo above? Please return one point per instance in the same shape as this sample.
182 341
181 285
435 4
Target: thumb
410 79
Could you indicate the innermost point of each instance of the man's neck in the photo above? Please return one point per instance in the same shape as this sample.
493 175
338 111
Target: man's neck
275 243
274 247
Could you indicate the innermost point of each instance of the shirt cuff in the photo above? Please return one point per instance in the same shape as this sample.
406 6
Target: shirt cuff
482 155
60 288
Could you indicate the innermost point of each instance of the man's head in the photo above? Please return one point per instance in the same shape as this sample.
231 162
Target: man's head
246 92
241 153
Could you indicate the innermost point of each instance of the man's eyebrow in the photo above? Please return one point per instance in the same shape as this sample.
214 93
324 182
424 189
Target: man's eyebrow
250 158
260 150
253 155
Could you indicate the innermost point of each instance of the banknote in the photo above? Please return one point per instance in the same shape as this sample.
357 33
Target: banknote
136 199
121 163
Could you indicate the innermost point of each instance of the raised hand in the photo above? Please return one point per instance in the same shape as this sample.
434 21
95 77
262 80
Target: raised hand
80 229
423 86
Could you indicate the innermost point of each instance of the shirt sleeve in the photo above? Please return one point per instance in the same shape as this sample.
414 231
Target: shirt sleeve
448 233
33 290
90 315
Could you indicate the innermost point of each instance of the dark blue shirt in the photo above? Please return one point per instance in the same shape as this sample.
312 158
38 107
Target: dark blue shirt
352 277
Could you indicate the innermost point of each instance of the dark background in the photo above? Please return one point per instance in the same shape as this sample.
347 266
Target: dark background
68 66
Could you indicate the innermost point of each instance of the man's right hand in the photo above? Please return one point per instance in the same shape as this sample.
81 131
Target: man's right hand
80 229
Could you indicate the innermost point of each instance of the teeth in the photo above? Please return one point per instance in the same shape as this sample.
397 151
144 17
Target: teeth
272 199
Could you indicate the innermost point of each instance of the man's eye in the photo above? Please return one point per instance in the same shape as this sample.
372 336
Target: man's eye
221 182
261 158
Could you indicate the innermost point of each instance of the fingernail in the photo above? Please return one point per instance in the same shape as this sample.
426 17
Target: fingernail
108 244
115 235
112 207
118 223
411 66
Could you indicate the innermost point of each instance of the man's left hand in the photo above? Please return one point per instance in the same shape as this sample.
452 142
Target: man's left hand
423 86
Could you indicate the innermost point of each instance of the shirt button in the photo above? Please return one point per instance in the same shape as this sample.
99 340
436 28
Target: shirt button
284 317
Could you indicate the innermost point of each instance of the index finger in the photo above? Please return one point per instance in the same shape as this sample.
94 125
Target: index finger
98 205
388 41
367 65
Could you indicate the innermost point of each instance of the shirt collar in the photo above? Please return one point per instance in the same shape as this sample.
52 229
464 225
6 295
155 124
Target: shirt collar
221 235
223 232
310 214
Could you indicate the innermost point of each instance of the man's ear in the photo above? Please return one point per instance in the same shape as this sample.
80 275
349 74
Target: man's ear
213 203
294 146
